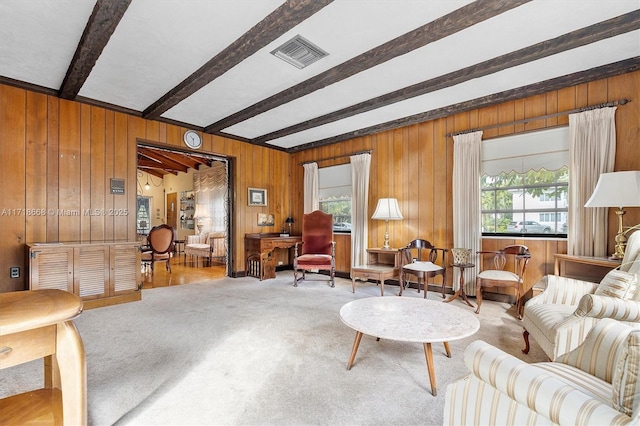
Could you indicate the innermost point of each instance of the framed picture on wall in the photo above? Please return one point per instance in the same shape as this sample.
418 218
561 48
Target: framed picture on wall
257 197
265 219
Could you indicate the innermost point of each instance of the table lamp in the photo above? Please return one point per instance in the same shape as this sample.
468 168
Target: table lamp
289 221
201 213
617 189
387 209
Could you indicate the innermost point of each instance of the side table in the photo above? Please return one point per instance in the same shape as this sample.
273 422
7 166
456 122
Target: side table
38 324
460 292
382 264
178 246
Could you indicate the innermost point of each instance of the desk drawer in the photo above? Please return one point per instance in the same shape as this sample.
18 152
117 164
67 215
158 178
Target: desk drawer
27 345
267 245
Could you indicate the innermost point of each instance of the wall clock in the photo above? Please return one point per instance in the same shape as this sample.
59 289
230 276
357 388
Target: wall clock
192 139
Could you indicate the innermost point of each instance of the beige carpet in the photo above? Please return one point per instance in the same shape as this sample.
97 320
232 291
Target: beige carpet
245 352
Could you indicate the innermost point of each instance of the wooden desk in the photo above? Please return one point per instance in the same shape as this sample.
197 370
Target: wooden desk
381 265
37 324
258 249
586 268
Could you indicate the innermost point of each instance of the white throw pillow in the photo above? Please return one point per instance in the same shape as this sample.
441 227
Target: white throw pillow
619 284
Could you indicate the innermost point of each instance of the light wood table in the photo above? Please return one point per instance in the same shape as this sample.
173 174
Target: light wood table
586 268
408 319
381 265
36 324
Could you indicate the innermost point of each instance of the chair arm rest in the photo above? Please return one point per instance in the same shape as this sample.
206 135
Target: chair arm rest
537 388
598 306
563 290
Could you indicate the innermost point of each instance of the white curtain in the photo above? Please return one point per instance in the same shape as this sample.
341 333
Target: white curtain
467 228
211 190
592 151
311 198
360 165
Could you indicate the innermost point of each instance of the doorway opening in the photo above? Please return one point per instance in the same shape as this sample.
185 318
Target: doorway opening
189 191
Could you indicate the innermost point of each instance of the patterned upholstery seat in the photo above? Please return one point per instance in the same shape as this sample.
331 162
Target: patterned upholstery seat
595 384
208 245
560 317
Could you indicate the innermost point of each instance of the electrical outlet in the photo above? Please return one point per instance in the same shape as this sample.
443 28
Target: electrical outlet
15 272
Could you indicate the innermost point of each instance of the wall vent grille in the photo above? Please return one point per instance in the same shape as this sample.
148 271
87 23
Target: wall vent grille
299 52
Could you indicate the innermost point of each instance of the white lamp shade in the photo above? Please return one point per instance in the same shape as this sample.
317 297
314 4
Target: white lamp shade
616 189
202 211
387 209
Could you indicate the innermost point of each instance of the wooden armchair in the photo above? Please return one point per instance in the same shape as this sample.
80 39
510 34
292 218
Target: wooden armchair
317 250
419 258
497 276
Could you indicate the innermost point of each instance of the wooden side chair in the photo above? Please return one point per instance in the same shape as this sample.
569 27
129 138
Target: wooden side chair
317 250
160 241
497 276
419 258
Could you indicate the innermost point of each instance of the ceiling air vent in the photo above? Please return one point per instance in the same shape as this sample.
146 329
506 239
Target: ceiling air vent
299 52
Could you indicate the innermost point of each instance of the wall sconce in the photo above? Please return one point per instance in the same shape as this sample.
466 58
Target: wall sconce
617 189
387 209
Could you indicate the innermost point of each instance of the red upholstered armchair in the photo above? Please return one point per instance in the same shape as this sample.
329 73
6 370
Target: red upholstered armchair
316 252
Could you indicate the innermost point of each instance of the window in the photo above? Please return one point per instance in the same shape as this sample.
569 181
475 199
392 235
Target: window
334 191
143 220
534 202
525 183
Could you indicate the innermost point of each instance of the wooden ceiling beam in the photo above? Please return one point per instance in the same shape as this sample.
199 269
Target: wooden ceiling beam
591 34
278 22
167 163
155 172
442 27
604 71
102 23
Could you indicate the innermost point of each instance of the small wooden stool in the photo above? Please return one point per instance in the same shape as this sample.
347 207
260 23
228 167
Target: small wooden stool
37 324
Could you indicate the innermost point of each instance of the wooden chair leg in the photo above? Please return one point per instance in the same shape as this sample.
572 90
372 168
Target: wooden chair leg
478 294
525 335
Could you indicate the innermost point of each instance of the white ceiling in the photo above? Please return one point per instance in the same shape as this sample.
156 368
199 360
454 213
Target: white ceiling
156 45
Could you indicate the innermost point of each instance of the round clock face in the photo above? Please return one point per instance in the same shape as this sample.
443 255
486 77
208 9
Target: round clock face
192 139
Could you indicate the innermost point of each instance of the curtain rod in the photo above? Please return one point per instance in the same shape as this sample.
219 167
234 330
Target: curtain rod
542 117
336 157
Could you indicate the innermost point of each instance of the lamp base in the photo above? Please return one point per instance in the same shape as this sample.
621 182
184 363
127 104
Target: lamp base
621 239
386 245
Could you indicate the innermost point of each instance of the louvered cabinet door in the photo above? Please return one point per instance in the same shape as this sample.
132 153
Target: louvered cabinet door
125 269
51 268
91 271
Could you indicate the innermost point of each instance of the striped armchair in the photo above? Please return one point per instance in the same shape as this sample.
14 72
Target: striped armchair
560 317
595 384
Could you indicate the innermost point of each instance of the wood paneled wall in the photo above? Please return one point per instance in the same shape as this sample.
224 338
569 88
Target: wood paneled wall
414 164
57 157
56 161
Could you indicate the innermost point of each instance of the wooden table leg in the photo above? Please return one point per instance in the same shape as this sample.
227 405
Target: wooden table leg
70 357
430 369
354 350
460 292
447 348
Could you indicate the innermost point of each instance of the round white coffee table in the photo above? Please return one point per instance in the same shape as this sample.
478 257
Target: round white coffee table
408 319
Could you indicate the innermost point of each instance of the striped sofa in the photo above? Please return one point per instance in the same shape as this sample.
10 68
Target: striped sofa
595 384
560 317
